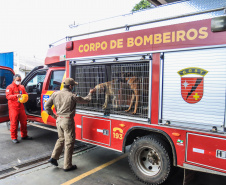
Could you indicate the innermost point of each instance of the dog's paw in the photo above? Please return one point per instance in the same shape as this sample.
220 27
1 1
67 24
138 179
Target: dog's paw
104 107
134 113
127 110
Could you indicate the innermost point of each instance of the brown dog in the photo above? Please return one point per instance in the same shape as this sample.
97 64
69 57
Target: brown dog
109 89
134 84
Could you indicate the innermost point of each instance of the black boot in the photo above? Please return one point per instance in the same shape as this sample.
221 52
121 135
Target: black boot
53 161
74 167
15 141
27 138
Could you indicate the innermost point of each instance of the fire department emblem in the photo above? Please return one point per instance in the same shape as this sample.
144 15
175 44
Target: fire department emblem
192 83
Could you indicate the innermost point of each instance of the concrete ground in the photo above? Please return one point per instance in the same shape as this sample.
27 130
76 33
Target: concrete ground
93 168
27 150
96 166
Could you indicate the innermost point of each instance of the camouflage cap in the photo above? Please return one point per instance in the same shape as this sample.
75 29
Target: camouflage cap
70 81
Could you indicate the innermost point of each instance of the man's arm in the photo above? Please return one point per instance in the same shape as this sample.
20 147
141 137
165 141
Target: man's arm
86 99
23 90
48 105
83 100
10 95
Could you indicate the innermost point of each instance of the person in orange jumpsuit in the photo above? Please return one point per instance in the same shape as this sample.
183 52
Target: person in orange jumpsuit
16 109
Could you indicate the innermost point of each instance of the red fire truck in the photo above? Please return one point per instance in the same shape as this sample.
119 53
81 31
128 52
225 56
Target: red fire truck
160 87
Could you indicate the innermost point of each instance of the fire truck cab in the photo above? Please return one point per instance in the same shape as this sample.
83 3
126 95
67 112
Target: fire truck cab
40 83
160 87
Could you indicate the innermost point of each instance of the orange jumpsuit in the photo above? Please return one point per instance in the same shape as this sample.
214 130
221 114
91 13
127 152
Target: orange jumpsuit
16 110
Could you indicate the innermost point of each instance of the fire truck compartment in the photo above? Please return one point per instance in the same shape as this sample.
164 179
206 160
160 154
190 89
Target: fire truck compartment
122 89
207 151
193 93
96 130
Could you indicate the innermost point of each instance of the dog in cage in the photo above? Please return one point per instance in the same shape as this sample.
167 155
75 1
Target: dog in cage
134 84
109 89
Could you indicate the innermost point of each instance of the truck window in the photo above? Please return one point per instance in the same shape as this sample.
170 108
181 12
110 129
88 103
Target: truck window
32 84
121 89
6 78
56 80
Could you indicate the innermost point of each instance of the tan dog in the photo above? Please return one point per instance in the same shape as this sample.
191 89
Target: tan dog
108 88
134 84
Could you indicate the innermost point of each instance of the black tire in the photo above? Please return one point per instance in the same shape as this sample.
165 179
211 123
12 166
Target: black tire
150 160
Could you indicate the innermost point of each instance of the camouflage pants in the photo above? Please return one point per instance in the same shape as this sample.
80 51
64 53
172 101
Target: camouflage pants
66 140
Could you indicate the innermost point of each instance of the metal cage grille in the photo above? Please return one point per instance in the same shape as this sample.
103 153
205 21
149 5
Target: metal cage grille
121 89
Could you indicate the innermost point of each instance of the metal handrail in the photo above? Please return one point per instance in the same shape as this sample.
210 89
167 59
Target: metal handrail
148 22
127 26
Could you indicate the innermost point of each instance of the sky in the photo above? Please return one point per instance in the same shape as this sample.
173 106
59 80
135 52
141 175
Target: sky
29 26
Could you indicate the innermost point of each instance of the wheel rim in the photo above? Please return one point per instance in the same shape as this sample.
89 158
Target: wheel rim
148 161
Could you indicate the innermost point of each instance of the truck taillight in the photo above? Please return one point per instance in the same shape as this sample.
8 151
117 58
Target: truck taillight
69 46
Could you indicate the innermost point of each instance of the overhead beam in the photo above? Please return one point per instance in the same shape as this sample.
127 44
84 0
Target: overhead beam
165 1
161 2
155 2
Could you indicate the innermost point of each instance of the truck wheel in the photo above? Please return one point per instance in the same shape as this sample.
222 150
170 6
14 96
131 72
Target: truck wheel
150 161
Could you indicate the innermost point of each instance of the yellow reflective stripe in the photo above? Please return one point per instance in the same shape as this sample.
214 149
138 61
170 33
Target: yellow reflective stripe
44 116
62 84
49 92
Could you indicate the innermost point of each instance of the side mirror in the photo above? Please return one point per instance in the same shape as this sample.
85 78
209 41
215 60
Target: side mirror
39 88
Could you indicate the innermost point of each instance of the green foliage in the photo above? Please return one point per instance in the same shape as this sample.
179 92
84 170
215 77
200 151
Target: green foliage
143 4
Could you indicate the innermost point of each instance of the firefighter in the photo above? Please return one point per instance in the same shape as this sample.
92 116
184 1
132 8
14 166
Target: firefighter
64 102
16 109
